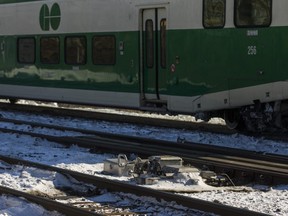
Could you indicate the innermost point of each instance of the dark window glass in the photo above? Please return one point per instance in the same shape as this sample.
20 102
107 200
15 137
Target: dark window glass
163 42
75 50
149 43
214 13
50 50
253 13
26 50
104 50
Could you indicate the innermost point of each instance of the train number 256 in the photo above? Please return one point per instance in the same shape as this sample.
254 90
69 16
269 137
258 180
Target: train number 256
252 50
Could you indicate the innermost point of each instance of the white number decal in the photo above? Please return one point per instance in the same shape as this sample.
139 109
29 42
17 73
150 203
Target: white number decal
252 50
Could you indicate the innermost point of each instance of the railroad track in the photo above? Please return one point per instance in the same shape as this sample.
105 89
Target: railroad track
266 169
127 118
88 140
69 110
51 204
113 185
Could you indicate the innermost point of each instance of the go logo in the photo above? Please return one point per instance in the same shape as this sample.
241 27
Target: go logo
51 18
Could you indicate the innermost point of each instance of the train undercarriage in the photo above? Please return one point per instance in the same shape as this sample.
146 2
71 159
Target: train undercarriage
258 117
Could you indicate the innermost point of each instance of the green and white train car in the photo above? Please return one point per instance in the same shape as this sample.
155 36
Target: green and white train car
204 57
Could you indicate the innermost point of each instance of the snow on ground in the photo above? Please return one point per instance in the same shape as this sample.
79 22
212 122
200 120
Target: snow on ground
269 200
272 200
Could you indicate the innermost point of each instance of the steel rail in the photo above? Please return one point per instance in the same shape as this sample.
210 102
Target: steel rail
159 122
202 156
48 203
140 191
147 141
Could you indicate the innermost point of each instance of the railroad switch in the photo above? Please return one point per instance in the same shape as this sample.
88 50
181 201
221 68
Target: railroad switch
119 166
217 180
150 171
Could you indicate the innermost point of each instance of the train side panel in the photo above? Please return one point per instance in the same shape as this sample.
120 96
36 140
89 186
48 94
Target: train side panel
227 67
78 77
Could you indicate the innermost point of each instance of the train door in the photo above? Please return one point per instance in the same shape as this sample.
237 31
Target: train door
154 55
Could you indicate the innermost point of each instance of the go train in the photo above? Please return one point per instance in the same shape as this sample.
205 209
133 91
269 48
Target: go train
206 58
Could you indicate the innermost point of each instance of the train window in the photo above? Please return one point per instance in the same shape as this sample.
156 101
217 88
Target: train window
253 13
149 38
104 50
49 50
214 13
163 42
26 50
75 50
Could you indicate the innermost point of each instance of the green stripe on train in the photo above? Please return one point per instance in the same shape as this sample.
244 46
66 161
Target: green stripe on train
123 76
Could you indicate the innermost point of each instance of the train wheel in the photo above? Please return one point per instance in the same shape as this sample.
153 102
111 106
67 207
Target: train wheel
232 119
